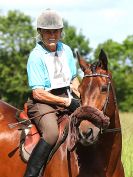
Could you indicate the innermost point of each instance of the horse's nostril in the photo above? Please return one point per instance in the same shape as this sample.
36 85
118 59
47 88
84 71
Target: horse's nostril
90 132
87 134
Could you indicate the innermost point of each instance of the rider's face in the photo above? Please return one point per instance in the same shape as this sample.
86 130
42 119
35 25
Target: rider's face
50 37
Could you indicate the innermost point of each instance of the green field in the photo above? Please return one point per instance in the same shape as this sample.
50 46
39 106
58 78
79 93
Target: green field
127 150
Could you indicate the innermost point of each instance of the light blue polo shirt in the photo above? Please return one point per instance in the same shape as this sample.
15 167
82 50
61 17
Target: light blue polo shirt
51 70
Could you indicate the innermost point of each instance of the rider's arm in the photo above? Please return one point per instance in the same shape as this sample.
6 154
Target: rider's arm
47 97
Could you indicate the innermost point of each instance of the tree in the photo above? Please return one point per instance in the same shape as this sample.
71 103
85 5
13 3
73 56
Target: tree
76 41
127 105
16 41
128 46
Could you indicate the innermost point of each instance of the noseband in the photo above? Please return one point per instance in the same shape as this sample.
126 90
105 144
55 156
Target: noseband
109 85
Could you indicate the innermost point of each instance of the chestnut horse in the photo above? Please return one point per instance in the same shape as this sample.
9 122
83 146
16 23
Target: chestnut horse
97 91
93 145
64 162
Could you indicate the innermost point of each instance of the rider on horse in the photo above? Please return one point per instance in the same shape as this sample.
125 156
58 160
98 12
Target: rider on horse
53 81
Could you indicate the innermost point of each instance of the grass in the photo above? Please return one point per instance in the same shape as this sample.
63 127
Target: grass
127 150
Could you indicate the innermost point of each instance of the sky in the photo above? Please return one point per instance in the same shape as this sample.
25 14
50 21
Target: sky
98 20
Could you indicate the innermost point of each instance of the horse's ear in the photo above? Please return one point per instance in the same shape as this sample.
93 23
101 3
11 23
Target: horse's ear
82 63
103 60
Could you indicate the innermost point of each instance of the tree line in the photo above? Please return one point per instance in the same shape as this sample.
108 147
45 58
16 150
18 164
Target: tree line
17 38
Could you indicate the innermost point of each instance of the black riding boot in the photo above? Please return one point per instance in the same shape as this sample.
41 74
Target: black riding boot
38 158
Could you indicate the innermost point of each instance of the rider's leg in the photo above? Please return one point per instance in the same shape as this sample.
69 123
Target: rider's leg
49 129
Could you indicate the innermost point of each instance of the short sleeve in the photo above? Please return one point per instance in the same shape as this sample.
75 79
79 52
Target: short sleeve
36 71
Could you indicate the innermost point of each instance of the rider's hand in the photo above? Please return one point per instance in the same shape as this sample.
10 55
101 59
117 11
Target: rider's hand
74 104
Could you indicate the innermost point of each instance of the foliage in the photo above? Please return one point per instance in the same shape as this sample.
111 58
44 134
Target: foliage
16 41
76 41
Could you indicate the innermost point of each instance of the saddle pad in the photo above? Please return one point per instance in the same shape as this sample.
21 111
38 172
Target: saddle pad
29 139
32 137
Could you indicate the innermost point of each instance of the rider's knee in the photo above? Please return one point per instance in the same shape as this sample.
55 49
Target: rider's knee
51 137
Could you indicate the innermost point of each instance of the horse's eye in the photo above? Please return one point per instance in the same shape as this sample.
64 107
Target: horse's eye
104 88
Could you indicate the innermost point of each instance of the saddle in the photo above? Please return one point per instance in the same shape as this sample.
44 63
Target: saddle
30 135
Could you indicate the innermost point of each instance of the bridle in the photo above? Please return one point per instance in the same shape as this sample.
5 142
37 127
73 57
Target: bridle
109 85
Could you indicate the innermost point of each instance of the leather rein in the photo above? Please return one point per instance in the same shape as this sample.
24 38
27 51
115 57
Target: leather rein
109 85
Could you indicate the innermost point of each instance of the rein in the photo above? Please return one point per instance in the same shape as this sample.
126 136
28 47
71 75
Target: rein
110 130
106 100
108 88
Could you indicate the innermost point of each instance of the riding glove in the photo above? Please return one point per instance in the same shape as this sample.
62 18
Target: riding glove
75 103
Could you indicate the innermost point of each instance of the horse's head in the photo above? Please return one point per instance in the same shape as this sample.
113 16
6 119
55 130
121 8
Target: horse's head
96 87
97 100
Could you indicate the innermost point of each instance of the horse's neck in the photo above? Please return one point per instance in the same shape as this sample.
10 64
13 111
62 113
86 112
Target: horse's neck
91 160
116 118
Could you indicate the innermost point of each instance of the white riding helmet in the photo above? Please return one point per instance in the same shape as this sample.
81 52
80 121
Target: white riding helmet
49 19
